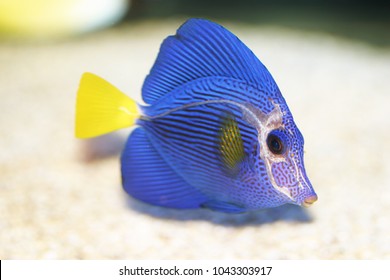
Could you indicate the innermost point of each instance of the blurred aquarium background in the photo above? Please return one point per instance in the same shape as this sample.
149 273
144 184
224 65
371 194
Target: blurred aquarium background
360 19
355 19
61 198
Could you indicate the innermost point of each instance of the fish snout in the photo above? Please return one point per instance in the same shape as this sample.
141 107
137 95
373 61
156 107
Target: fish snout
308 201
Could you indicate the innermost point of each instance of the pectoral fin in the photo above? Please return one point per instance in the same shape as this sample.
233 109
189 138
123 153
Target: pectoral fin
222 206
231 144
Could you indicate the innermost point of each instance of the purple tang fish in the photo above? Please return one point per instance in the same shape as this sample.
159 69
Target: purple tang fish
215 132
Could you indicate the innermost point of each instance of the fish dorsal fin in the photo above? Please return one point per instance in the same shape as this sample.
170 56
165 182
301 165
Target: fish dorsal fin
231 144
201 49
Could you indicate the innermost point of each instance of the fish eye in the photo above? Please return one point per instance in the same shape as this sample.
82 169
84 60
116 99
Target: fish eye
275 144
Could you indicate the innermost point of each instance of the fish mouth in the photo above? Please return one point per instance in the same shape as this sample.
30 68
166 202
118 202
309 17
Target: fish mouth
308 201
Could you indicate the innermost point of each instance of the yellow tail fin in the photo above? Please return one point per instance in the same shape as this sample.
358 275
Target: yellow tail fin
101 108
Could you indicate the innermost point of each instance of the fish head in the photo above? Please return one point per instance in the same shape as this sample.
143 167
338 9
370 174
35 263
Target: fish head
281 152
284 155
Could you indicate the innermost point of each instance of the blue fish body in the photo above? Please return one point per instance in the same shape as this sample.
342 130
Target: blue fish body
216 132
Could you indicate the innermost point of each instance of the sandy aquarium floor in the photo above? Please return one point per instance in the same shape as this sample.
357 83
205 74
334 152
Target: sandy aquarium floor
61 198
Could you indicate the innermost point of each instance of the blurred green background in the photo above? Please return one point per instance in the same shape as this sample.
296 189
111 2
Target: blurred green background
364 20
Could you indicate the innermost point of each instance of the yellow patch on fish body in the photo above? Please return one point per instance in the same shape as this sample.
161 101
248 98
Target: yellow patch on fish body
231 144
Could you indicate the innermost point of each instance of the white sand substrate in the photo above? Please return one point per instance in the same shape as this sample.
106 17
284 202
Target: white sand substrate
61 199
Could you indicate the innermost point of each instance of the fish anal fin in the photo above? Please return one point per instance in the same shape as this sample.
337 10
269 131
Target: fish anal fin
147 177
